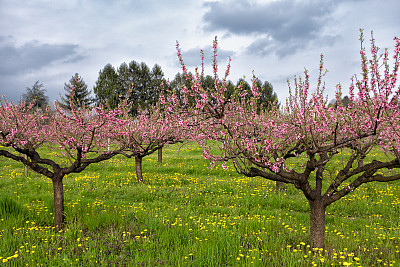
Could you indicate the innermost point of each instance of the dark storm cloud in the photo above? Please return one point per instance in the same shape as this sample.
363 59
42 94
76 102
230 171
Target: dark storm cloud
32 55
280 26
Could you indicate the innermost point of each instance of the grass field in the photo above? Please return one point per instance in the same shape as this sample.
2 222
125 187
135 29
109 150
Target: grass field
187 214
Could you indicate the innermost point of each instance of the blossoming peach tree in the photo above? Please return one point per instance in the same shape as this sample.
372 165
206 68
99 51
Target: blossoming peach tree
162 124
80 134
86 135
306 130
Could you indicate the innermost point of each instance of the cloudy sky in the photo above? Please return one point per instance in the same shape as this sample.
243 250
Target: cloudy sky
51 40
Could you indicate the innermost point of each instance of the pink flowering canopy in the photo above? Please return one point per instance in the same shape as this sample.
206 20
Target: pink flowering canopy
264 143
88 129
162 124
307 123
77 133
20 128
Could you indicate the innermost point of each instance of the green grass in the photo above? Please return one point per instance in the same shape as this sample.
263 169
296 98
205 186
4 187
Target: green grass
187 214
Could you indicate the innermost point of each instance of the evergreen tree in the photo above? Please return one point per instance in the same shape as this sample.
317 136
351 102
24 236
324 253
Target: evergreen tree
36 94
77 92
268 98
242 83
106 88
156 78
346 101
134 82
144 87
208 82
124 83
230 89
176 85
142 83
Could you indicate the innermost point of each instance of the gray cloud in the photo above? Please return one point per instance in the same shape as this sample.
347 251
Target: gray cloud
285 26
275 38
192 57
32 55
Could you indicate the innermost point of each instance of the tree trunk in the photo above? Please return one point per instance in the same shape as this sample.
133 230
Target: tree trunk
26 167
59 216
160 155
317 223
139 174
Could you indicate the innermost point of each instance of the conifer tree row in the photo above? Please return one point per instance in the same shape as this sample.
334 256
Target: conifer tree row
144 84
113 84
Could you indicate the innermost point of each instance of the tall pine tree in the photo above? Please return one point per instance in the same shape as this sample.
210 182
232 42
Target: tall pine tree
145 84
77 92
268 98
156 79
106 88
176 85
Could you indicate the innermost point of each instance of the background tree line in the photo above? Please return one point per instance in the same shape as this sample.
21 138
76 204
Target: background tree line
113 84
144 85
